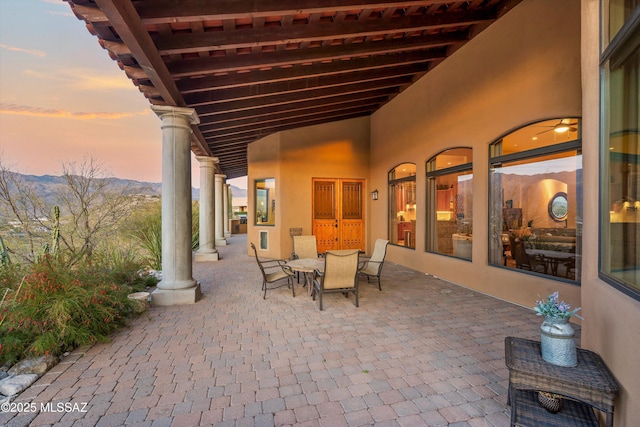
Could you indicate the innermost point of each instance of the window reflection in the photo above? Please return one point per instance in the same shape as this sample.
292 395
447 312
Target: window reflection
450 220
620 212
265 201
536 200
402 205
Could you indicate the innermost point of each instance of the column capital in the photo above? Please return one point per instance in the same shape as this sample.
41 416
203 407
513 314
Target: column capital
220 176
208 159
164 111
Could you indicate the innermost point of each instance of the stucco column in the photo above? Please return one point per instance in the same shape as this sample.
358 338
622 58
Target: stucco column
207 249
219 195
226 207
177 285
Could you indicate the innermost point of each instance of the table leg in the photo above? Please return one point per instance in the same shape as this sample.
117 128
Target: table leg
308 277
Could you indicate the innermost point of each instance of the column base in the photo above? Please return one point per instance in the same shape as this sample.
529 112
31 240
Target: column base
221 242
227 234
167 297
206 256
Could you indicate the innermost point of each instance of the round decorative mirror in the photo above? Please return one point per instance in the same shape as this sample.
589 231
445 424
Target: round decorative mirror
558 207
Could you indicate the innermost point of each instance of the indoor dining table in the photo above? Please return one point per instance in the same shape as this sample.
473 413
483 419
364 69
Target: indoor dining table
552 258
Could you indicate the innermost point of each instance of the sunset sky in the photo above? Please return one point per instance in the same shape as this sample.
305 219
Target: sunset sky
63 99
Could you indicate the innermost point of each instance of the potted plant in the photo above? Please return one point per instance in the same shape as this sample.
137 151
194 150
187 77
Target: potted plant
556 334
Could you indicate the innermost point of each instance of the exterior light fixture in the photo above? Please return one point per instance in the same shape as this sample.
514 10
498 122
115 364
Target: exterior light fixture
374 195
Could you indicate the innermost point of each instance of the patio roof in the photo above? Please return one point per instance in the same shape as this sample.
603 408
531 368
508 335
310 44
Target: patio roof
252 68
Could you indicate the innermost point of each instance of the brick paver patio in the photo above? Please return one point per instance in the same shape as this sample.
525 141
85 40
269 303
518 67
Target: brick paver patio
423 352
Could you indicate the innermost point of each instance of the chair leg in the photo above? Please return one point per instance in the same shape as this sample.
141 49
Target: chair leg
293 288
264 287
379 285
357 300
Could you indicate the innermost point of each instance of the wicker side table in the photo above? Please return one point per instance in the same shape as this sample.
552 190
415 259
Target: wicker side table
590 384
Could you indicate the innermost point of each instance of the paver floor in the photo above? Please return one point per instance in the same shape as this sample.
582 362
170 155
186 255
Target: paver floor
423 352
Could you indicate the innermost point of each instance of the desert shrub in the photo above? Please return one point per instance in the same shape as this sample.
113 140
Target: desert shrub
123 261
54 309
145 226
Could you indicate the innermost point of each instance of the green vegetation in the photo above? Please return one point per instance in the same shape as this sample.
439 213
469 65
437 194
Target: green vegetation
67 266
52 309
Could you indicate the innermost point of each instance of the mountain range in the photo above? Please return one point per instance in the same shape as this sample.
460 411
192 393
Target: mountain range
45 186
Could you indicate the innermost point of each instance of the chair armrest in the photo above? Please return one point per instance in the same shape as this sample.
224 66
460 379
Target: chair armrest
275 262
287 270
363 264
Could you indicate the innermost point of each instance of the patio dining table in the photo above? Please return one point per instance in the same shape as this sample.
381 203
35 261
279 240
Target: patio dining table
552 258
307 266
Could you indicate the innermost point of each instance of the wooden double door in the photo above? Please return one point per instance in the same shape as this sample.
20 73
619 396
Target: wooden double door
338 213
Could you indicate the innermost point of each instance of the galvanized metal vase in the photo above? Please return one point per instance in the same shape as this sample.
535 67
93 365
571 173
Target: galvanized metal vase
557 342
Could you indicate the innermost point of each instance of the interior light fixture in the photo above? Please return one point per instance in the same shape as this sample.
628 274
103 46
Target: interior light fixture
561 128
374 195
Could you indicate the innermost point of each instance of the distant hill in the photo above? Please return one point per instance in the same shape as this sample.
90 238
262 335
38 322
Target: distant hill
45 186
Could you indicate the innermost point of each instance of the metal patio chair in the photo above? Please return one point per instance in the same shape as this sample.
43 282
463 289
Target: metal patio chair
340 275
373 265
304 247
273 271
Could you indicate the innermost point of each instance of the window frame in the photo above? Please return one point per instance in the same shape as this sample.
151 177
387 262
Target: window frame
390 212
622 41
431 196
497 161
270 202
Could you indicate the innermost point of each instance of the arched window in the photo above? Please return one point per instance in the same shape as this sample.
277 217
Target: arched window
402 205
535 190
450 203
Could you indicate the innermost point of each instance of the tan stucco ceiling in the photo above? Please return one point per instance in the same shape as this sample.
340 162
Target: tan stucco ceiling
252 68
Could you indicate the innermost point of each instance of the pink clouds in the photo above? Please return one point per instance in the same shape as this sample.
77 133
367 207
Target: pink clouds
56 113
34 52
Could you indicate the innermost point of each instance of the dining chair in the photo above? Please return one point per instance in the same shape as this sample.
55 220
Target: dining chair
525 261
273 271
373 265
340 275
304 247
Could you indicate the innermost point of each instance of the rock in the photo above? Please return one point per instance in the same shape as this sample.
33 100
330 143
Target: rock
11 386
3 375
4 399
37 365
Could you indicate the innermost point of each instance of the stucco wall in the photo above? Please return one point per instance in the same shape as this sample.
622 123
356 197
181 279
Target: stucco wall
332 150
523 68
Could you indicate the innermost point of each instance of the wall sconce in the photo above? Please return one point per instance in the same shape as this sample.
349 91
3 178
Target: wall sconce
374 195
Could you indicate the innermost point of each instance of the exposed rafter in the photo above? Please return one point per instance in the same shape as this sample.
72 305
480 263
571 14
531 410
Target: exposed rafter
252 68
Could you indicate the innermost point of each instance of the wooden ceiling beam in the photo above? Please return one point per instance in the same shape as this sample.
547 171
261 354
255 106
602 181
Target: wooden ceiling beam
247 120
298 124
208 116
274 75
181 43
168 11
293 86
286 98
205 66
229 150
370 104
235 158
